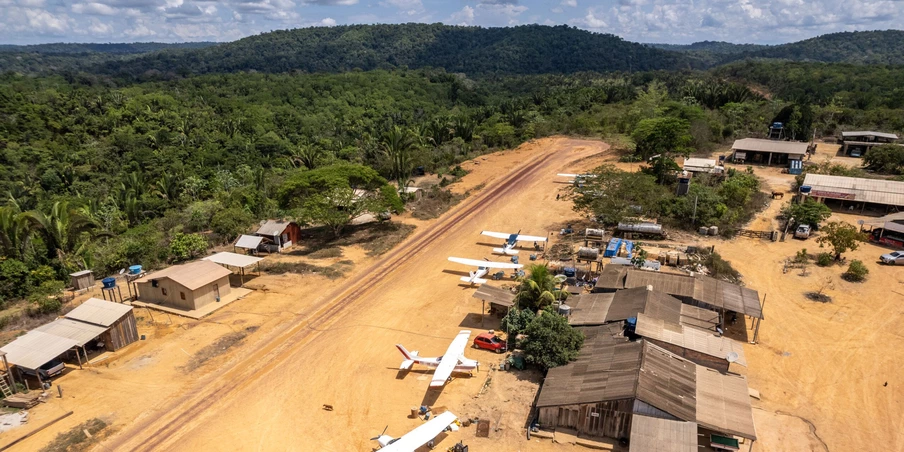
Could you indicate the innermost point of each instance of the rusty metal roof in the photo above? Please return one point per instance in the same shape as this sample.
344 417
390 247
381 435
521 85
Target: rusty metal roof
704 289
495 295
606 369
273 227
723 403
600 308
667 382
612 277
589 309
652 434
761 145
690 338
670 283
699 317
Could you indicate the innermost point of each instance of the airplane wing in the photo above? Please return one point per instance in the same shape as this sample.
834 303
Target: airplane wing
487 264
530 238
498 235
450 358
419 436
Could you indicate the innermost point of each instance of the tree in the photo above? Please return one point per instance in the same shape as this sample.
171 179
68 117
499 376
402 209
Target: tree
15 232
614 195
186 246
667 137
397 146
63 230
337 208
517 320
537 289
841 237
640 256
551 341
808 212
168 187
888 158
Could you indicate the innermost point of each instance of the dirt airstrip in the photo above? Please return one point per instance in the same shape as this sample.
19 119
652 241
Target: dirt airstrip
309 341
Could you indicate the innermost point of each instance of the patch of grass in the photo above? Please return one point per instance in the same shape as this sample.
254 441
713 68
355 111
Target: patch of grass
75 439
301 268
219 347
326 253
393 234
433 203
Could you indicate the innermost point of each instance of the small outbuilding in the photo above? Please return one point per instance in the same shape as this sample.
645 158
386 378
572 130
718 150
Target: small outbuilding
698 165
279 234
249 242
768 152
81 280
117 321
500 300
188 286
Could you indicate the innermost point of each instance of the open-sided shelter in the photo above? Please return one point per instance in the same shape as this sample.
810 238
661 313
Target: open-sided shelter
187 286
248 242
36 348
768 152
500 300
857 193
279 234
862 141
240 261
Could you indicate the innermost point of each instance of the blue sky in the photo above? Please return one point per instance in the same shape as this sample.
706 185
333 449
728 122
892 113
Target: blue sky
671 21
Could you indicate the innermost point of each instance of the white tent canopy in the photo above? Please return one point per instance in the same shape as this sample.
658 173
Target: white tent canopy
233 259
36 348
249 242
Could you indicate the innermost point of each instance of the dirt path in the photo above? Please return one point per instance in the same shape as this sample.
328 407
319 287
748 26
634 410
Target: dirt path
340 350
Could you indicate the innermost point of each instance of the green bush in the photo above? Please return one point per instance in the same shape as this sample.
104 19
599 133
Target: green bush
551 341
856 271
41 274
15 279
42 304
231 222
824 259
186 246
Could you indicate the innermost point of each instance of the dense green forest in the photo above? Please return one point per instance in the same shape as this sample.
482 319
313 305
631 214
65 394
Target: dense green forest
103 171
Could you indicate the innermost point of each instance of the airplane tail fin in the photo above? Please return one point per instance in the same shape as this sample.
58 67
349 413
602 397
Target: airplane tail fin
405 352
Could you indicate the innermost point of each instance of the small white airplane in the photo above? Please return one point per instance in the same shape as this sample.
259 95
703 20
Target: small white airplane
452 361
417 437
483 267
577 178
511 240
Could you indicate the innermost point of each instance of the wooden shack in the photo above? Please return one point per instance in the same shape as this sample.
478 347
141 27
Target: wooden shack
117 318
81 280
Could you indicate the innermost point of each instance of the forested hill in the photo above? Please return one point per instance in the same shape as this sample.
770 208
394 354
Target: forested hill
529 49
859 47
115 48
715 47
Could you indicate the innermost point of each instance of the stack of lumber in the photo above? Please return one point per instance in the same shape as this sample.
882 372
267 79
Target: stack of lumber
23 401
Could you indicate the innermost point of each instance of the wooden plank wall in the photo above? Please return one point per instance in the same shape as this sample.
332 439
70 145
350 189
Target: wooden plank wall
612 419
121 333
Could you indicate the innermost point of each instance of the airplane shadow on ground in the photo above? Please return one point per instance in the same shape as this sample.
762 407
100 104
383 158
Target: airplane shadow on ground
456 273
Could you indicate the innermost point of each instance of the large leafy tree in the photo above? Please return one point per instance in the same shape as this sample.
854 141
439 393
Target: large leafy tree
65 230
551 341
808 212
666 136
841 237
613 195
398 146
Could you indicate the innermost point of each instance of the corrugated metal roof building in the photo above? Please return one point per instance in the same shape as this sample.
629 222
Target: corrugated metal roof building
855 189
768 152
117 320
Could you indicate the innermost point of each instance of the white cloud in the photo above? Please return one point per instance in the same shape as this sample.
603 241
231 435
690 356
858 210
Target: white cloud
571 3
557 10
332 2
46 22
407 7
463 17
93 8
327 22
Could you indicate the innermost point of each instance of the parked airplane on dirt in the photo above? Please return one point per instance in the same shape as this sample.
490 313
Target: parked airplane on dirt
511 240
483 267
452 361
577 178
417 437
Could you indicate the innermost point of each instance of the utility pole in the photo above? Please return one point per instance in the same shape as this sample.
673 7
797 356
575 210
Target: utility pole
694 219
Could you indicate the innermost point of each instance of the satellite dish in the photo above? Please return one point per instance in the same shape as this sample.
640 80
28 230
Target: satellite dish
561 278
122 271
732 357
860 222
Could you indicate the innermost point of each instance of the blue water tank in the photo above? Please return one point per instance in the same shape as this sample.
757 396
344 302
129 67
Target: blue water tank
135 269
569 271
805 188
632 321
109 282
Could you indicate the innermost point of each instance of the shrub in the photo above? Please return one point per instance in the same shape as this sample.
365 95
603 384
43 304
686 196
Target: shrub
229 223
802 257
42 304
41 274
824 259
15 279
186 246
856 271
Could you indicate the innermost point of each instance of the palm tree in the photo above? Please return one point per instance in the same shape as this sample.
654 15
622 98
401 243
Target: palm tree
61 228
167 187
305 155
537 288
397 145
15 233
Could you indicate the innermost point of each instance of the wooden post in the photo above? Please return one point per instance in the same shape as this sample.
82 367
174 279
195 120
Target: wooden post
78 356
756 331
9 375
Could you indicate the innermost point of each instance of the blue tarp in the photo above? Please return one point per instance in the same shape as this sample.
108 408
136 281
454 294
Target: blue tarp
629 247
612 248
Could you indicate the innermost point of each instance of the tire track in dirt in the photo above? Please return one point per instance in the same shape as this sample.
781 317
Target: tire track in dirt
272 352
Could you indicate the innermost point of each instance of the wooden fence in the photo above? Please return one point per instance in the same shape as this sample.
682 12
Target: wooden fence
765 235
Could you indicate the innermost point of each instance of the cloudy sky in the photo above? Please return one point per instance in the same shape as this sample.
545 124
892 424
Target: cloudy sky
673 21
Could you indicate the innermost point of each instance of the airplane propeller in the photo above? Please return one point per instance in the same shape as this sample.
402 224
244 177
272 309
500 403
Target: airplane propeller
381 434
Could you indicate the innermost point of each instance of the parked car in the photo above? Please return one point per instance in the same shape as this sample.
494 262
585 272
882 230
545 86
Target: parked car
802 232
489 341
896 258
51 368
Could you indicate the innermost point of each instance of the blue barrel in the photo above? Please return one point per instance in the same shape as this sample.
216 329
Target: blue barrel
805 188
632 322
135 269
569 272
109 283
